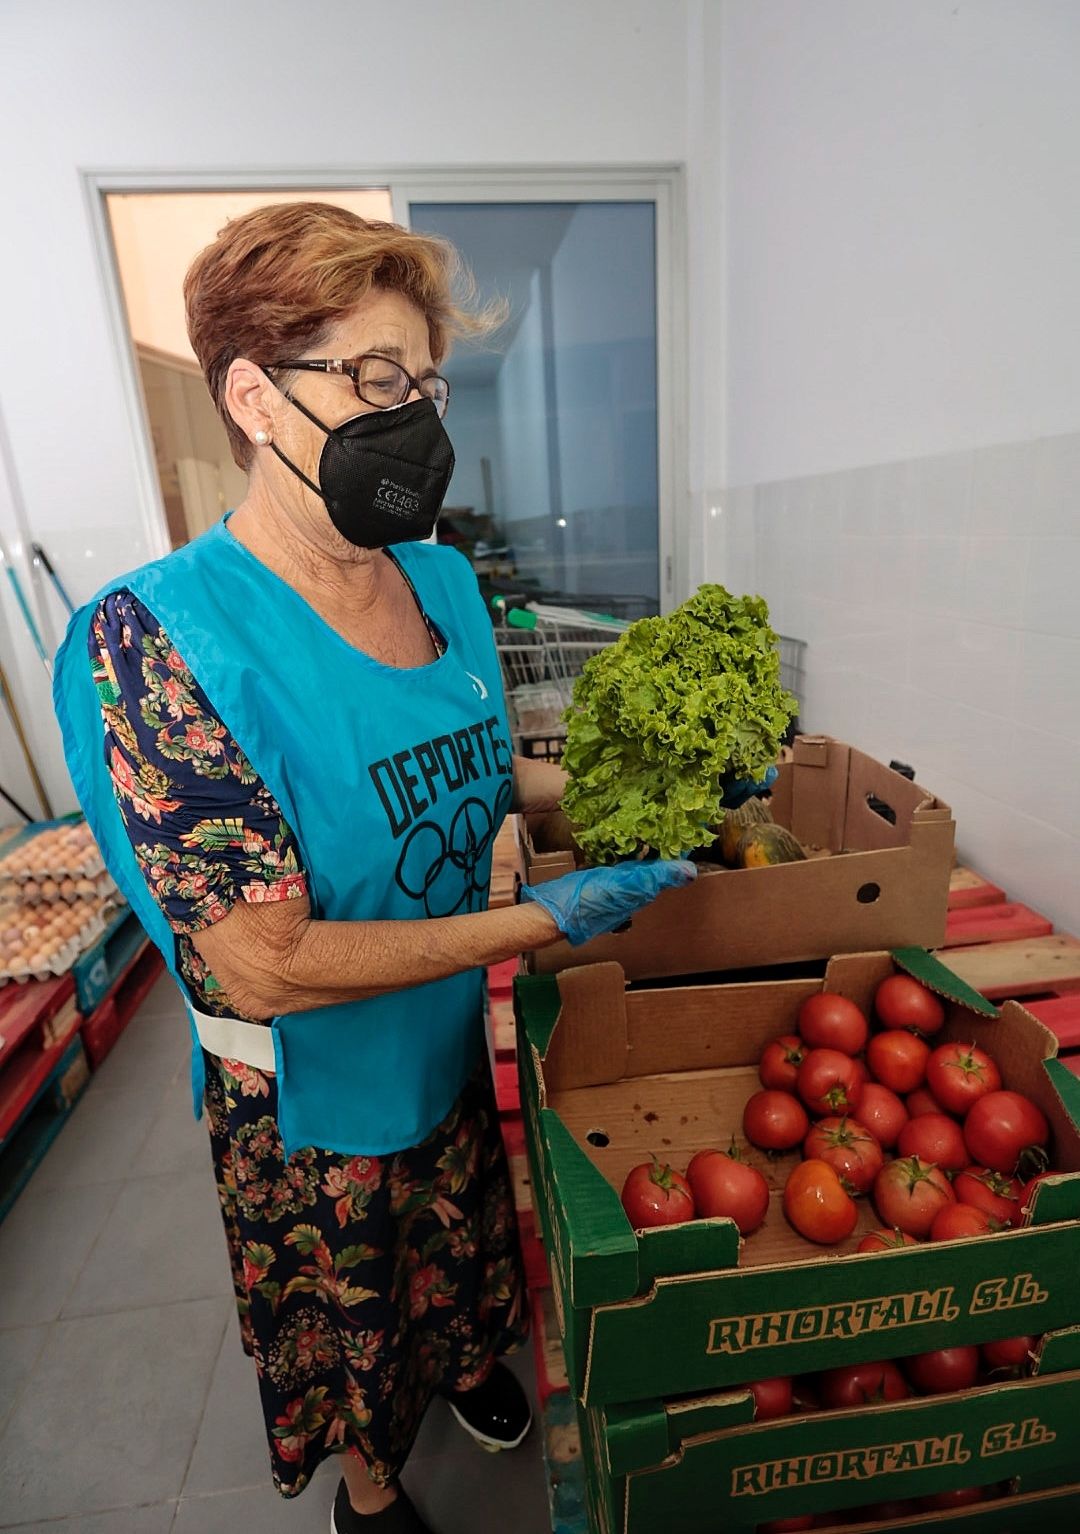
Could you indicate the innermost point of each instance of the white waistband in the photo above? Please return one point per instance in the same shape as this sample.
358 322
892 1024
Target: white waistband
230 1039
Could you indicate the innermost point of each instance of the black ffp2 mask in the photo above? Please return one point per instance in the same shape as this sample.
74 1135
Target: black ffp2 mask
382 475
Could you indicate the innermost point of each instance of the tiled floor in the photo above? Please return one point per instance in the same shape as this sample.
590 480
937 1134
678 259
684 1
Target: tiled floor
126 1403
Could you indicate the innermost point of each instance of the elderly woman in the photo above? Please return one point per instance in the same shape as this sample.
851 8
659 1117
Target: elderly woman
290 740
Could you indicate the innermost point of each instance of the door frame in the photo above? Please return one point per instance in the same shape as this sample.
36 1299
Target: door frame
663 185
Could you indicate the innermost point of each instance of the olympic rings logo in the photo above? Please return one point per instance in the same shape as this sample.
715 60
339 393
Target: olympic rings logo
442 868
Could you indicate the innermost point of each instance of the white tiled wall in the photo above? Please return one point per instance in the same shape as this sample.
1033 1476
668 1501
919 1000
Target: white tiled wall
940 600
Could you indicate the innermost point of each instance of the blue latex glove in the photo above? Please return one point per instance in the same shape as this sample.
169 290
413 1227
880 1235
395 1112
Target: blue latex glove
600 899
738 790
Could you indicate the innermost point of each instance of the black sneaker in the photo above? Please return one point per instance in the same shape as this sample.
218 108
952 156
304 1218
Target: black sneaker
497 1413
399 1518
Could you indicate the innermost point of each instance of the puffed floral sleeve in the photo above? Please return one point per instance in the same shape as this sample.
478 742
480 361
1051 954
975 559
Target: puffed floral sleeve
205 829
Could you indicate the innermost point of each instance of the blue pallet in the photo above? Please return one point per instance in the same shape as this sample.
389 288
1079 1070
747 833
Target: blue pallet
564 1467
97 970
25 1147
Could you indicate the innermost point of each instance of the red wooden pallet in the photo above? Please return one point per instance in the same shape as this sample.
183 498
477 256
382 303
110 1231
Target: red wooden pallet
26 1008
1002 923
1061 1014
513 1133
503 1031
547 1347
967 889
1039 967
501 979
29 1047
535 1260
507 1089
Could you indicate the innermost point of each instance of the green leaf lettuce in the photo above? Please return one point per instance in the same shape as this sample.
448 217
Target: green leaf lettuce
662 715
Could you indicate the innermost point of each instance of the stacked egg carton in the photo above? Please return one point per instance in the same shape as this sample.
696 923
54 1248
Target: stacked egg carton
55 901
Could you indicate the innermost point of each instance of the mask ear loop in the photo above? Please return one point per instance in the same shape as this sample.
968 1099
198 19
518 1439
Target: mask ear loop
314 419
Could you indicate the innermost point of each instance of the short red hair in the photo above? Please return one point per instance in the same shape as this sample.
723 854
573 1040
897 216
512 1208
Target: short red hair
276 280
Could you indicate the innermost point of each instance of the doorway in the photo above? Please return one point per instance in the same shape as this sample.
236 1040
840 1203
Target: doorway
570 484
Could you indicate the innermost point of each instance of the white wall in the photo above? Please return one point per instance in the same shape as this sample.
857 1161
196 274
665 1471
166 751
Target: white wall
269 87
886 202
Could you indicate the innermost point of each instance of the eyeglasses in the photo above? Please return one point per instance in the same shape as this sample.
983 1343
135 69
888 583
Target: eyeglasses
377 380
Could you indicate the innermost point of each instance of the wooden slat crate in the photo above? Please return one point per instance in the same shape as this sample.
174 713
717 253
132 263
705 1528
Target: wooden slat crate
967 889
1003 922
1036 967
547 1347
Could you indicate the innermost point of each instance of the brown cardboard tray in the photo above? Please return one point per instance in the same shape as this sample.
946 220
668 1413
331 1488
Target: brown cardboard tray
889 889
611 1075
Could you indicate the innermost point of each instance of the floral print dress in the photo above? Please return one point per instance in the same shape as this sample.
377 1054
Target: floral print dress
363 1284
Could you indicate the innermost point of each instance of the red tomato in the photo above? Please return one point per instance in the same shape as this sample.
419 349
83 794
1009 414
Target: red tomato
817 1205
850 1150
775 1121
772 1398
882 1112
1005 1130
901 1002
909 1193
960 1496
996 1195
883 1240
723 1185
655 1194
959 1074
1012 1353
828 1021
954 1221
1028 1195
862 1385
780 1061
921 1101
829 1082
936 1138
897 1059
944 1369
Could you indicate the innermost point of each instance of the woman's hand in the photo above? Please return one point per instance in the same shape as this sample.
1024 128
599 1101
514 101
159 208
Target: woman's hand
584 905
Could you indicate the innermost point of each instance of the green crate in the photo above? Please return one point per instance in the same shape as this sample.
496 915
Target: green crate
669 1312
688 1465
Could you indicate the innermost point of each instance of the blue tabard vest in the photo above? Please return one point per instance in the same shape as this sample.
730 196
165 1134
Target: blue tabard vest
394 782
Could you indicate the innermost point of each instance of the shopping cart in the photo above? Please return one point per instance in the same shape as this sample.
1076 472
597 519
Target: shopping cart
542 649
793 677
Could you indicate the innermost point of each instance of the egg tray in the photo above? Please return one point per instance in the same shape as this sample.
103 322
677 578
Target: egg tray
88 868
61 959
88 887
21 857
15 908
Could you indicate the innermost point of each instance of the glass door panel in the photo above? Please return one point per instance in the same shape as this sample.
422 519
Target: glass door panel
554 419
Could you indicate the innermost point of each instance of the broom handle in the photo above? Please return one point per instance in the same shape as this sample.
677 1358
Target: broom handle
13 712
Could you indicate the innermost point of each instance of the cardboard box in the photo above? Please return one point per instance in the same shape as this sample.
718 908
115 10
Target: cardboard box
695 1465
611 1075
890 889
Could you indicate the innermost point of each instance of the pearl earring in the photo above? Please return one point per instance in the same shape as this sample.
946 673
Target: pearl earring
262 438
